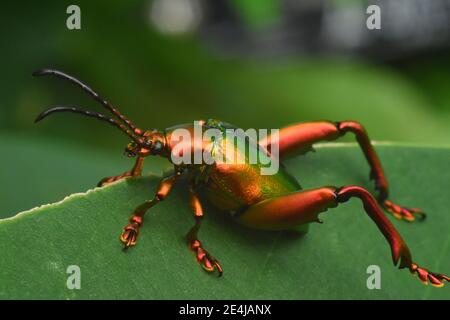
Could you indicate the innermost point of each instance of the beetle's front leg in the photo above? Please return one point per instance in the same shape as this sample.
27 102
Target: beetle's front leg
134 172
299 138
208 262
131 230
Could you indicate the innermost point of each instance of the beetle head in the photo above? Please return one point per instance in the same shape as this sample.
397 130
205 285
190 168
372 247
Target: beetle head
151 142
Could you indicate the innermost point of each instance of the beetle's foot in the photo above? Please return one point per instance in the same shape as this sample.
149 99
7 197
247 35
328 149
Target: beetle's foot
109 180
129 235
130 232
436 279
208 262
408 214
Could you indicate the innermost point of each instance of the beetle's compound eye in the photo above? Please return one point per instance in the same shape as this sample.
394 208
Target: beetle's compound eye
157 147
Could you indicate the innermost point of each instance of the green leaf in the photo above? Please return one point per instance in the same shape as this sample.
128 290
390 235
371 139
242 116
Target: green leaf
330 262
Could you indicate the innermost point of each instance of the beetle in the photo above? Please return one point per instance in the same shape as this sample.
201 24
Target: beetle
270 202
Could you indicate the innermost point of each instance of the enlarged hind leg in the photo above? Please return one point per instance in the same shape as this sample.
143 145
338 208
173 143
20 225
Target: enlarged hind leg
302 207
299 138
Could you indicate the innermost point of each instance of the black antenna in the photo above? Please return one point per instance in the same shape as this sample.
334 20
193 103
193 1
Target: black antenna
88 113
87 89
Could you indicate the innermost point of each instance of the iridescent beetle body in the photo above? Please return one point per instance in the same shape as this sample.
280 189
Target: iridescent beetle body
232 186
271 202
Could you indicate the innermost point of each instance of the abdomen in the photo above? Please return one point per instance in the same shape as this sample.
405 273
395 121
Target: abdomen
233 187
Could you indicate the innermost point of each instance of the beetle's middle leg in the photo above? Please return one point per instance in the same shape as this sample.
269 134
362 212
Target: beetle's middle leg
131 230
134 172
208 262
299 138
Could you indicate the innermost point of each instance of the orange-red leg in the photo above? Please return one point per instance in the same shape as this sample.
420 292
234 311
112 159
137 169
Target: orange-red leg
207 261
299 138
134 172
304 207
131 231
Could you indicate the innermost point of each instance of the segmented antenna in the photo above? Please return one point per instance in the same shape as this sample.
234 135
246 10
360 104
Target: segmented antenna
87 89
88 113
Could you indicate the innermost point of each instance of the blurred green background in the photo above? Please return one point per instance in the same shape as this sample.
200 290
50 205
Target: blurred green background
160 80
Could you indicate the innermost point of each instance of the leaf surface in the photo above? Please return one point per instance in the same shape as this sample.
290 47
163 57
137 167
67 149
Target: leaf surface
330 262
